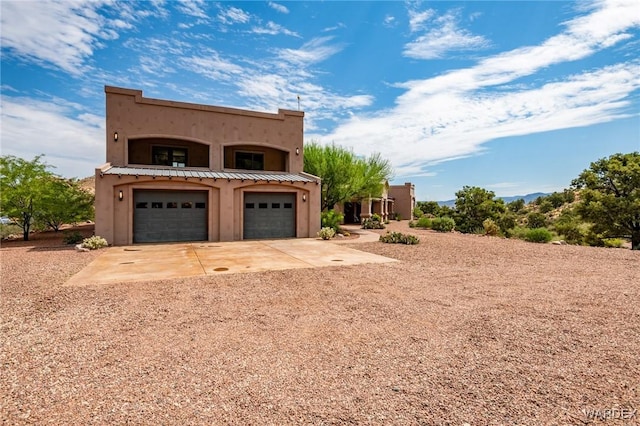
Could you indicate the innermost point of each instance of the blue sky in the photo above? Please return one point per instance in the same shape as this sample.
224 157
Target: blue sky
515 97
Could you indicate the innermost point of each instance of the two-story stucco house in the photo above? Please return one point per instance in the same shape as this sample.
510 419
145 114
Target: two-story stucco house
177 171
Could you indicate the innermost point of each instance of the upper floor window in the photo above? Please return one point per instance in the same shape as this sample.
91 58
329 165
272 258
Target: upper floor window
165 156
249 160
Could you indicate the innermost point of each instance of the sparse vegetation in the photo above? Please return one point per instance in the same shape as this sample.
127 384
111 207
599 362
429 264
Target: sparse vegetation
610 197
536 220
443 224
72 237
538 235
373 222
35 198
490 227
332 219
399 238
95 242
345 176
326 233
424 222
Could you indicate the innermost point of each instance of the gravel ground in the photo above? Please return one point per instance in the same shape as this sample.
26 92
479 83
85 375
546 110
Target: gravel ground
465 329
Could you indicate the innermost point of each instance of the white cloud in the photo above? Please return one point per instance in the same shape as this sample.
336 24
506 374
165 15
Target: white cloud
212 66
443 36
62 34
195 8
418 19
389 21
70 139
450 116
233 15
272 28
314 51
278 7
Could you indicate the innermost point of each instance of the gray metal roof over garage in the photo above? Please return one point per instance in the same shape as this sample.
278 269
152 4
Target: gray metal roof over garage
209 174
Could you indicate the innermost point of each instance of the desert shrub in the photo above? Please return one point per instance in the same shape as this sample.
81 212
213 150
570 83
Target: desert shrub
428 207
518 232
326 233
417 213
72 237
546 206
424 222
556 199
10 229
399 238
538 235
443 224
536 220
569 225
412 224
331 219
506 222
516 205
397 216
613 242
490 227
593 239
370 223
95 242
570 231
569 196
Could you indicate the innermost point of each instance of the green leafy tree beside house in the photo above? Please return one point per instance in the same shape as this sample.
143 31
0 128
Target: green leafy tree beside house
31 195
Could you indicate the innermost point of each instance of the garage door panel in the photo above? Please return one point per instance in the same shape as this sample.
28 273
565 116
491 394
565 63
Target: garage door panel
167 216
269 215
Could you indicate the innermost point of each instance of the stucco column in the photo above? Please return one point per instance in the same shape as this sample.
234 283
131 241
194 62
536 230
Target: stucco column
365 208
226 215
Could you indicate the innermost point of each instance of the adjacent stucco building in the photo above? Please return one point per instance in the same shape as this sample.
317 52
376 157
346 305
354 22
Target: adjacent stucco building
177 171
404 198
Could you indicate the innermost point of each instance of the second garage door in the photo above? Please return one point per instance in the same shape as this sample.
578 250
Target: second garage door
164 216
269 215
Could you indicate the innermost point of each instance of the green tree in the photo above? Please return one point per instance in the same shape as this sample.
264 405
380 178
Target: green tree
473 206
516 205
429 207
345 176
63 201
536 220
610 197
21 185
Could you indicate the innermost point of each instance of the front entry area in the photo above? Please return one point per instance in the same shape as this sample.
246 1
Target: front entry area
169 216
269 215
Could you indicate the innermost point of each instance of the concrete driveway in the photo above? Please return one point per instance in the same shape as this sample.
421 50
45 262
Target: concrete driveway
162 261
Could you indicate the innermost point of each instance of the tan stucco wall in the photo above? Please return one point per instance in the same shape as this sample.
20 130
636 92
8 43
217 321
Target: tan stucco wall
202 127
114 221
130 115
405 199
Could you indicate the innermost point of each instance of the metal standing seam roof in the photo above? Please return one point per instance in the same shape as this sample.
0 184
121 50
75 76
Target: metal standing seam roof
208 174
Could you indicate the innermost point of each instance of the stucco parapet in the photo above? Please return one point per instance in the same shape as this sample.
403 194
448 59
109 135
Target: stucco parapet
139 99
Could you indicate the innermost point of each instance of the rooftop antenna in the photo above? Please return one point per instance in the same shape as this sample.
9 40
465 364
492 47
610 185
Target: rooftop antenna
298 102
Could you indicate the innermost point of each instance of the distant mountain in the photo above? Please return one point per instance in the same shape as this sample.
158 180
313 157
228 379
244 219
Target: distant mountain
527 199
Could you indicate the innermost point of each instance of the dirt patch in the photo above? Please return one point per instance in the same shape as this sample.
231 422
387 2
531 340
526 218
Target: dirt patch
464 329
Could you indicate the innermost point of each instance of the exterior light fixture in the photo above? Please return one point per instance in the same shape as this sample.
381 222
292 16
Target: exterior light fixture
115 136
297 151
304 197
120 195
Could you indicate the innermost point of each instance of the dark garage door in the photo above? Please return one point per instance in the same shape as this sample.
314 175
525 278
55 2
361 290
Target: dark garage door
163 216
269 215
